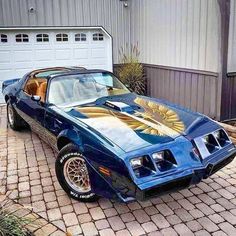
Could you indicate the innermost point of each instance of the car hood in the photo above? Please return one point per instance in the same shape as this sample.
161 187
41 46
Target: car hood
133 122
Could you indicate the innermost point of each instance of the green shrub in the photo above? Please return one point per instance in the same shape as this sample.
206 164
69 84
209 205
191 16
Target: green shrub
130 70
10 223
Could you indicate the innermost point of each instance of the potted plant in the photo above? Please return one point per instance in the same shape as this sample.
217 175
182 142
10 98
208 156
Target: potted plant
131 71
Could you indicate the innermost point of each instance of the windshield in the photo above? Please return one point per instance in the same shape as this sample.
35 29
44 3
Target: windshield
84 88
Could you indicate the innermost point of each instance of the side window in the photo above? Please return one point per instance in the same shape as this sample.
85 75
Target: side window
22 38
36 86
42 38
31 86
62 37
97 37
3 38
80 37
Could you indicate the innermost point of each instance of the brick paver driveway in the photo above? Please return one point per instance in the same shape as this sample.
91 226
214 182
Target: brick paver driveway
208 208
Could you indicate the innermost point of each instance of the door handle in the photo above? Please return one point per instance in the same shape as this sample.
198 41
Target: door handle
58 121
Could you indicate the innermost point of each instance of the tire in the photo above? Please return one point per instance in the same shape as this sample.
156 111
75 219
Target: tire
69 157
13 119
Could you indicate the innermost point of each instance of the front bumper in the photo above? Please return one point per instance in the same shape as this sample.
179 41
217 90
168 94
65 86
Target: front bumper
177 181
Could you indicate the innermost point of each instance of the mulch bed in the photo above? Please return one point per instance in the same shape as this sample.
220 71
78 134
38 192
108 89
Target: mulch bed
230 127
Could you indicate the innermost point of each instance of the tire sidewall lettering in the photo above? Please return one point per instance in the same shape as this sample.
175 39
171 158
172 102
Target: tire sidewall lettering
66 156
71 192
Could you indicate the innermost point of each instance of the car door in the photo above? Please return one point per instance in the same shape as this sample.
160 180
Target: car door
31 110
55 122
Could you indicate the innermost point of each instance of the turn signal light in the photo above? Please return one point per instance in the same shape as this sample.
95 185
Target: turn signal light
104 171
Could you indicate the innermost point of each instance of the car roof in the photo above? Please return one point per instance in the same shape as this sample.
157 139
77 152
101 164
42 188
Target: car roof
44 72
74 72
57 71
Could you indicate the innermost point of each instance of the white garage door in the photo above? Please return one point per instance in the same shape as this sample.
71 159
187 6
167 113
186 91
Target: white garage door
22 50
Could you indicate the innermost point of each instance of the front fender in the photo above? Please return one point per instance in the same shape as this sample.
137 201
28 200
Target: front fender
97 156
69 136
6 83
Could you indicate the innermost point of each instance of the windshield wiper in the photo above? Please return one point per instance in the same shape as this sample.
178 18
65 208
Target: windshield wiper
109 88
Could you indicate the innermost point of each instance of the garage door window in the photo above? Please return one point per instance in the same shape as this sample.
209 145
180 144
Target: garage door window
62 37
80 37
3 38
98 37
22 38
42 38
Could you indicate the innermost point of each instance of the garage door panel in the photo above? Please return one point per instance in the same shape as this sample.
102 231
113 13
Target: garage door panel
97 66
22 71
23 55
61 45
22 65
42 45
63 54
5 73
81 53
22 47
43 55
81 62
11 75
98 52
5 70
5 56
99 61
57 63
41 64
18 58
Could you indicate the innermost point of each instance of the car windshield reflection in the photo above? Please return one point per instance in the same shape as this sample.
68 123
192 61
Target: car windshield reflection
84 88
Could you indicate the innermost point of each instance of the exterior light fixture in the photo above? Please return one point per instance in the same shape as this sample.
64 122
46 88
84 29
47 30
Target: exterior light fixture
31 10
125 3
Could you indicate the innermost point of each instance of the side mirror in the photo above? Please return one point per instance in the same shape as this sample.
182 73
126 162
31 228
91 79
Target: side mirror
36 98
129 87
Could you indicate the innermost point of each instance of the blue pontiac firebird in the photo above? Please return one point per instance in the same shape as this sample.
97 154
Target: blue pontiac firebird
112 142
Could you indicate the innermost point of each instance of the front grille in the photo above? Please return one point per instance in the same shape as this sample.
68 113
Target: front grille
168 187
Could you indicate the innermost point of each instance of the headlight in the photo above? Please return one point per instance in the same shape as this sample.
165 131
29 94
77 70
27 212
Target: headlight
221 137
164 160
206 139
217 134
142 166
210 143
136 162
158 156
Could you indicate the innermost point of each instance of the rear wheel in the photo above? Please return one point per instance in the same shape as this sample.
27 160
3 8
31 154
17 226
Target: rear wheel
14 120
72 174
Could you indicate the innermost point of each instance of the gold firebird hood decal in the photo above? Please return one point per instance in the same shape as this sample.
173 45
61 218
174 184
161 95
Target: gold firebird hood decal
158 112
156 119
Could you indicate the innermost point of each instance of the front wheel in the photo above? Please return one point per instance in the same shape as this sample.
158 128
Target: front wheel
72 174
14 120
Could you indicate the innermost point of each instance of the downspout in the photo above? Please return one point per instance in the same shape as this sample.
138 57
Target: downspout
224 6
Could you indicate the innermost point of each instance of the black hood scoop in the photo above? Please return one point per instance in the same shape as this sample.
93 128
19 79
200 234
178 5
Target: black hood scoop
119 106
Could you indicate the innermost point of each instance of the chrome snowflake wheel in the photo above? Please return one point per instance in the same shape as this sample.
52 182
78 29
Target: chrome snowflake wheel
76 174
